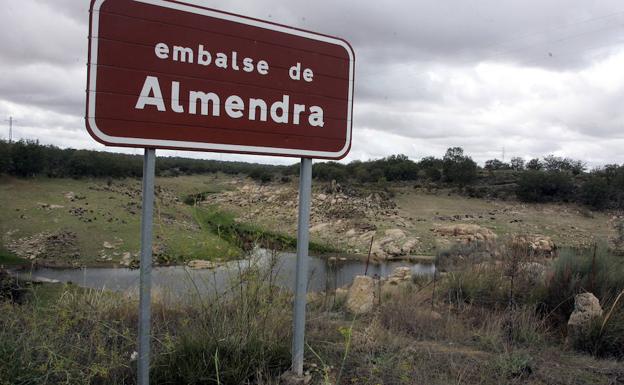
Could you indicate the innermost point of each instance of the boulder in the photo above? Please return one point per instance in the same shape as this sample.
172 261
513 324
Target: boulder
341 294
126 259
391 249
466 232
538 244
361 297
201 264
586 309
409 245
402 273
290 378
395 234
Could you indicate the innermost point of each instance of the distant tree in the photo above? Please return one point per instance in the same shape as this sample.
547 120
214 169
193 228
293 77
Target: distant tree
399 167
495 164
557 163
5 157
431 168
328 171
517 163
457 168
27 158
534 164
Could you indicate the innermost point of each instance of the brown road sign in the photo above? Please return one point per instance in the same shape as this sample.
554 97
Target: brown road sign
165 74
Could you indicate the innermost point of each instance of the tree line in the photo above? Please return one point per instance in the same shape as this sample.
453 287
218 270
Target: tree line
549 179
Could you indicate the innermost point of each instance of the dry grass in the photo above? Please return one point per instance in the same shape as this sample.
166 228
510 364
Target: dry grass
88 337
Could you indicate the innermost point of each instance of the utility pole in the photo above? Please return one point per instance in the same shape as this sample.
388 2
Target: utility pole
503 154
10 120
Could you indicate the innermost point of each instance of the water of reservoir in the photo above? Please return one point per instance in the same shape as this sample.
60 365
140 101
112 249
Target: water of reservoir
323 274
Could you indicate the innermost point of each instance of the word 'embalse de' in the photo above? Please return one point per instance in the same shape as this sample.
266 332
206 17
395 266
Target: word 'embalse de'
234 106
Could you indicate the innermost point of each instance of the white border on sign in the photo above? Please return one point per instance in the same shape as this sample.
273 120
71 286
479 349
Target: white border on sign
213 146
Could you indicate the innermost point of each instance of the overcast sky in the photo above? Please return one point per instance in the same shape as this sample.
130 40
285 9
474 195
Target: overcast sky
536 77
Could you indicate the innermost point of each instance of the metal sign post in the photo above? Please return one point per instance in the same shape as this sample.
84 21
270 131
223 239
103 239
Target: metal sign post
145 283
303 235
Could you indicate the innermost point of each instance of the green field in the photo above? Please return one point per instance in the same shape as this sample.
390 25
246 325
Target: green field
102 220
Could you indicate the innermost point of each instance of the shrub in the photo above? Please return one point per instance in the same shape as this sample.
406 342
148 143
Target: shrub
462 255
513 365
483 286
261 175
605 336
595 192
578 270
537 186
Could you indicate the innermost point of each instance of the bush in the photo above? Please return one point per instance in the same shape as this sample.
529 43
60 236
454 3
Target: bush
482 286
538 186
605 338
595 192
461 256
261 175
577 271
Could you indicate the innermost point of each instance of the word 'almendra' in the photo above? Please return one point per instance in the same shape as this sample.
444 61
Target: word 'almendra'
209 103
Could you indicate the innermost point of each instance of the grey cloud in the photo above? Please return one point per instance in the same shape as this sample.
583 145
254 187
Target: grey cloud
36 33
426 73
60 89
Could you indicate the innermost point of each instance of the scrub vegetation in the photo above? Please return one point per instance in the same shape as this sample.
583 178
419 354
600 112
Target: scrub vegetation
475 330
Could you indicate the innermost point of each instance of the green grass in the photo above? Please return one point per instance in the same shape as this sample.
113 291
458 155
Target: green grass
7 258
111 213
245 235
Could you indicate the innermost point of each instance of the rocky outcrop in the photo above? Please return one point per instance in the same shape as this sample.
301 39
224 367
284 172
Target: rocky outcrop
391 285
361 296
538 245
394 243
46 244
465 233
586 309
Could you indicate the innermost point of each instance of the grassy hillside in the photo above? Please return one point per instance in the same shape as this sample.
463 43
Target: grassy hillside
567 224
96 221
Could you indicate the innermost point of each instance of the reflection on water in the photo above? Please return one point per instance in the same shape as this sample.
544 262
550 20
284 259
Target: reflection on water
323 275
